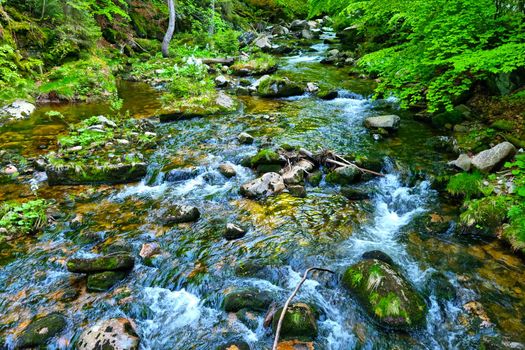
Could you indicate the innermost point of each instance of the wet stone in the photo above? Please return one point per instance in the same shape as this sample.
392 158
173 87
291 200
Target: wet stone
297 191
39 331
238 345
112 334
378 255
247 298
113 262
102 281
248 318
233 231
227 170
299 322
181 214
344 175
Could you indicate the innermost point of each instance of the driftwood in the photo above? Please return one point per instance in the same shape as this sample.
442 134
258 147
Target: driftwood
289 300
224 61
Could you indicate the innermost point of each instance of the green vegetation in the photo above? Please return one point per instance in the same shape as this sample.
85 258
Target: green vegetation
434 52
18 219
465 184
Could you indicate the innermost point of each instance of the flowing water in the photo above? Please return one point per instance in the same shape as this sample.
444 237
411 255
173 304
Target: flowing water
177 303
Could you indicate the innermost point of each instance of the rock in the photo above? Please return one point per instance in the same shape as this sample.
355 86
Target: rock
354 194
247 38
263 42
106 122
297 191
388 122
487 160
333 52
10 170
148 250
96 174
296 174
237 345
39 331
102 281
280 30
75 149
233 231
278 87
227 170
295 345
463 162
245 138
266 156
344 175
177 175
266 185
112 262
224 101
315 178
299 25
328 94
221 81
248 298
298 323
440 286
112 334
386 296
378 255
19 109
178 214
312 87
307 34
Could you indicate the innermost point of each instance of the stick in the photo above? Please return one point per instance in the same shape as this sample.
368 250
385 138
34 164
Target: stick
285 307
331 161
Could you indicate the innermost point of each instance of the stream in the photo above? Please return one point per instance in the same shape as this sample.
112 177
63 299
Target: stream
177 303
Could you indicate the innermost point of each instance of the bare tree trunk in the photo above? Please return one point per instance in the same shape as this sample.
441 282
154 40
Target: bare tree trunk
170 31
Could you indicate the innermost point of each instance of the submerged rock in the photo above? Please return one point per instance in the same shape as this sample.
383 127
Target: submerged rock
386 296
233 231
245 138
248 298
440 286
387 122
39 331
112 262
487 160
297 191
378 255
299 322
355 194
237 345
112 334
177 175
102 281
278 87
178 214
266 185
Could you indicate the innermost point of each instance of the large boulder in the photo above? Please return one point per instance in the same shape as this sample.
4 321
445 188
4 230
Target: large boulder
266 185
112 262
178 214
247 298
387 122
102 281
19 109
112 334
278 87
39 331
386 296
487 160
299 322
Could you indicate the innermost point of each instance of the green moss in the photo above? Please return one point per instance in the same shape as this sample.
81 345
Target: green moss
265 156
465 185
503 125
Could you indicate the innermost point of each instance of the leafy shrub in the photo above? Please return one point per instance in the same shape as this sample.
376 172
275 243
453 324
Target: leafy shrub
23 218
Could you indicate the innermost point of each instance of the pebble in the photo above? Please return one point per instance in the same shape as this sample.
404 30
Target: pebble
10 170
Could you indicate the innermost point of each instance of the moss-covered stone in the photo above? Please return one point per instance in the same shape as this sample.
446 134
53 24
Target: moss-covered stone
299 322
386 296
249 318
447 118
178 214
248 298
211 103
265 156
38 333
503 125
95 174
315 178
278 87
439 285
114 262
102 281
344 175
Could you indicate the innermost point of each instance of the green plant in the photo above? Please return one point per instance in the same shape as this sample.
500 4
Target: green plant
23 218
465 184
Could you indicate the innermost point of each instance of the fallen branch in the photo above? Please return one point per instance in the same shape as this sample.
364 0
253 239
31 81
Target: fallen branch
335 162
285 307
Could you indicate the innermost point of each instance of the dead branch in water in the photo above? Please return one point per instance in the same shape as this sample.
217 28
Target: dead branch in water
289 300
326 157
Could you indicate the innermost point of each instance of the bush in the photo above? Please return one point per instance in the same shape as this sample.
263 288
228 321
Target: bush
22 218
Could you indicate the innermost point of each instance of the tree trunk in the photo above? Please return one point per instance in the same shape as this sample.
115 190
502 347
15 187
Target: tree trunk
171 29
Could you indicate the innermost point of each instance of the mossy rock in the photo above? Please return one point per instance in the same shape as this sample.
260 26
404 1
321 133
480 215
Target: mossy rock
178 214
344 175
102 281
95 174
113 262
447 118
248 298
386 296
439 285
236 345
503 125
38 333
278 87
213 103
265 156
249 318
268 168
315 178
299 322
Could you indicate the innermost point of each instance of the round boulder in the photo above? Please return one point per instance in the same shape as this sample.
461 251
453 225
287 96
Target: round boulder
38 333
112 334
299 322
